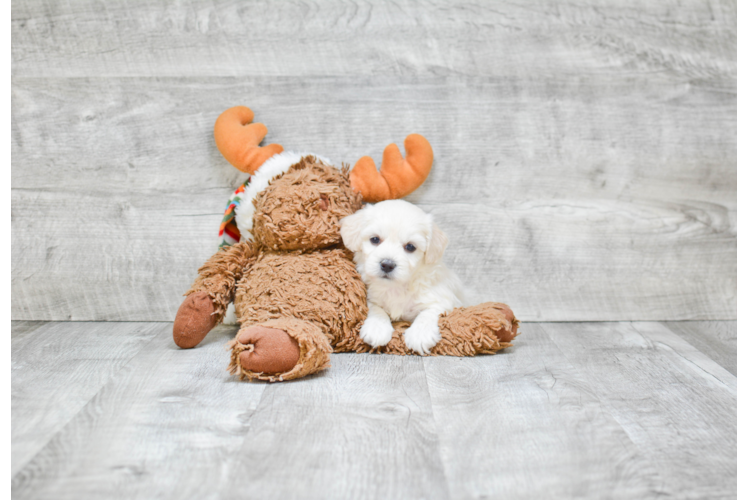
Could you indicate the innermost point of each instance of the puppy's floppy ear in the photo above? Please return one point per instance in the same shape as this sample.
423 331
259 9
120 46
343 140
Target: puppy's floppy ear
351 228
437 245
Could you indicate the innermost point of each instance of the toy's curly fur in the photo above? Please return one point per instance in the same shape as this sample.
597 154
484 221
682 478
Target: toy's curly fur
301 209
314 351
466 331
218 277
297 280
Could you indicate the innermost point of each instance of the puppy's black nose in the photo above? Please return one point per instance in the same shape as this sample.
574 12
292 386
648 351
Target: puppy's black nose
387 265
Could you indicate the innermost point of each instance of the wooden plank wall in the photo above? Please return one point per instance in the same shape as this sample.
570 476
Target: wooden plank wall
585 150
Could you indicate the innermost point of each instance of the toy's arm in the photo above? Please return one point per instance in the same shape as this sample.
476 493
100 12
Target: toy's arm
211 293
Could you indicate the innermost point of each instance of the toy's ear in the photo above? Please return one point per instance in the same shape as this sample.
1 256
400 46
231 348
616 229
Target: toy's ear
351 229
437 244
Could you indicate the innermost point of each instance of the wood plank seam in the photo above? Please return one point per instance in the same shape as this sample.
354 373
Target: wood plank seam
72 417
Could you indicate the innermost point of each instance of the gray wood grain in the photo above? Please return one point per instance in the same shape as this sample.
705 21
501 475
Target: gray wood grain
742 458
163 427
595 259
20 329
526 423
742 245
601 137
615 201
675 403
174 424
694 39
573 410
716 339
362 429
56 369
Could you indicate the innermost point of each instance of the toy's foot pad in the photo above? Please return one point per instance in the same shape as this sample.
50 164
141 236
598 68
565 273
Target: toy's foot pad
279 349
194 320
266 350
510 332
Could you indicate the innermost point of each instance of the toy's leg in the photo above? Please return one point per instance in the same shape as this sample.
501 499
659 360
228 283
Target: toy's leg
279 349
466 331
482 329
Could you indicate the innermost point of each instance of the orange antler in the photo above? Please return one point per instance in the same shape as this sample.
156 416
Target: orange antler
398 176
238 139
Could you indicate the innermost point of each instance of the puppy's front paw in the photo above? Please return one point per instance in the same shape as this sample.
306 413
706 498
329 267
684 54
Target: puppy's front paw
376 331
422 336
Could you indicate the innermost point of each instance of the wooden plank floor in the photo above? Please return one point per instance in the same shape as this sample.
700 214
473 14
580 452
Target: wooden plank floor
573 410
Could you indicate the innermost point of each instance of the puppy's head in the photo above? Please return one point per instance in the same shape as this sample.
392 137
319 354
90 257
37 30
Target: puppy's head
391 240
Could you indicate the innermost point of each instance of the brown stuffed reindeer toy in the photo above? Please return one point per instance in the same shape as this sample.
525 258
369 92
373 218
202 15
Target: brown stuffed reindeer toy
297 294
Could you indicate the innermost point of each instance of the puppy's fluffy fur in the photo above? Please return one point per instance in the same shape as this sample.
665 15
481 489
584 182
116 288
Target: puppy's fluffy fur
398 251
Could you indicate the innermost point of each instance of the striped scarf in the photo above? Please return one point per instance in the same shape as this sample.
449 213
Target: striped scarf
229 234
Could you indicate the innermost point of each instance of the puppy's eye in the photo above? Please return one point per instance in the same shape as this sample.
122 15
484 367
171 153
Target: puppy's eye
410 248
375 240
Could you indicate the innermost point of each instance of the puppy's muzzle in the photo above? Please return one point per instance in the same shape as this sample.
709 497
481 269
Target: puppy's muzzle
387 266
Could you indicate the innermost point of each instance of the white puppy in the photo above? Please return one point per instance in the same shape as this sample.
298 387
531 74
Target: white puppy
398 250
